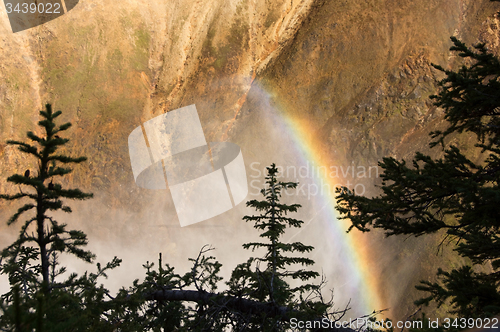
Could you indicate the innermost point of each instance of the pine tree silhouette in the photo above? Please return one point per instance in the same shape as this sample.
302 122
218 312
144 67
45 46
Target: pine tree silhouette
454 194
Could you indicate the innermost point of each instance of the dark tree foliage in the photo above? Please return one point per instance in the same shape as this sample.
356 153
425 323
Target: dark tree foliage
453 194
259 296
267 282
263 294
37 300
272 222
51 237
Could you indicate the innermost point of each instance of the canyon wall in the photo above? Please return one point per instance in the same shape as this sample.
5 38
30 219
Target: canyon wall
355 74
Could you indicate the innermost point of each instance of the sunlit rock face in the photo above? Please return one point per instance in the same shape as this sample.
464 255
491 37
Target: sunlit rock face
355 75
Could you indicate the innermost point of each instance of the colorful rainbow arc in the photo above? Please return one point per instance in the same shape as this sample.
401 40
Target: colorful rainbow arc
358 262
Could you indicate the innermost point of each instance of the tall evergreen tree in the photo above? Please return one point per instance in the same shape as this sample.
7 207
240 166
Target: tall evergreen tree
269 283
51 237
37 299
453 194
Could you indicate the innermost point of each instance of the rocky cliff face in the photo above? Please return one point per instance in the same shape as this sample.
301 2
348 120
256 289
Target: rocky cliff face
357 73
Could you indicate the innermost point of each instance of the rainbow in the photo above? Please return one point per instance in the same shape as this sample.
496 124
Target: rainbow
359 264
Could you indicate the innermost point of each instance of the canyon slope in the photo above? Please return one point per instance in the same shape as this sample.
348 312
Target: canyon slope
350 80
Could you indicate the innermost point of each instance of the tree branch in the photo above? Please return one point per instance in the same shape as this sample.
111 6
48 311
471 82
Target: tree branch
231 302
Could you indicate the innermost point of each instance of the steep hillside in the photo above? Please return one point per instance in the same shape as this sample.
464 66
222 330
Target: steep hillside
355 74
